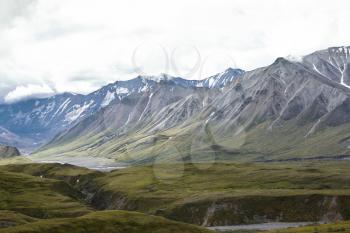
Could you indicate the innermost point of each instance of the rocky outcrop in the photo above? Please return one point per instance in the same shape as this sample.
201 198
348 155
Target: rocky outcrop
235 210
262 209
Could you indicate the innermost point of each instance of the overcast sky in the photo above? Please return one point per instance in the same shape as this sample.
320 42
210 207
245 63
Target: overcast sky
50 46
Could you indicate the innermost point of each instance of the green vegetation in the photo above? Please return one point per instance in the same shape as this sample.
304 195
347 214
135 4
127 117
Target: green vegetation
39 197
192 140
289 141
229 180
10 218
15 160
254 192
237 193
201 194
65 172
46 198
323 177
107 222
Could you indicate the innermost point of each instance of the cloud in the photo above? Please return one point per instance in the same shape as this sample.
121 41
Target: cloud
10 10
81 45
28 91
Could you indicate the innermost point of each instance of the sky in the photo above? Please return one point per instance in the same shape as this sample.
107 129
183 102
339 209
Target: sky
55 46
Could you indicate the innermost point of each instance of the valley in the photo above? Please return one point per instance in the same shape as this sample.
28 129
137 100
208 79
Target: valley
221 195
257 150
196 116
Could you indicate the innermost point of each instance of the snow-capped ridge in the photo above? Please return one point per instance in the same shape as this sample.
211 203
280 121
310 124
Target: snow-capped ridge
221 79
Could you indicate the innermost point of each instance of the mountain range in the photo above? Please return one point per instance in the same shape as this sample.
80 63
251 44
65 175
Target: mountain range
31 123
295 108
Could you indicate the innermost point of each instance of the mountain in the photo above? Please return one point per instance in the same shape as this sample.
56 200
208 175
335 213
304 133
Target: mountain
290 109
8 151
166 106
31 123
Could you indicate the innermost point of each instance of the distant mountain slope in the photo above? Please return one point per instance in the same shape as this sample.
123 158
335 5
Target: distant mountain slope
220 80
289 109
30 123
10 138
166 106
8 151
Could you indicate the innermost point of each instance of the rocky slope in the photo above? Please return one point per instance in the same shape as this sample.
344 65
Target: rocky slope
8 151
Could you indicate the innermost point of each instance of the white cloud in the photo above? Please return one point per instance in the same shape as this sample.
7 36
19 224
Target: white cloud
58 42
28 91
11 9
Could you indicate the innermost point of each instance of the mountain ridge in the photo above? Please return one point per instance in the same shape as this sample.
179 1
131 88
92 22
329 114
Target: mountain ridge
30 123
262 113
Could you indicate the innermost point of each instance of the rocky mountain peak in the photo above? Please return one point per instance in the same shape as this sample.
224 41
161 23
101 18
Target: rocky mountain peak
8 151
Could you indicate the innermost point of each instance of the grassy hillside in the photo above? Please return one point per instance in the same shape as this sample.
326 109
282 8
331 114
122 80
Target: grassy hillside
10 219
213 180
47 198
235 193
201 194
39 197
65 172
213 194
15 160
191 141
107 222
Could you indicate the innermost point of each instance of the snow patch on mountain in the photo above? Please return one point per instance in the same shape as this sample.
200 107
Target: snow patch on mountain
221 79
77 111
108 99
62 107
122 90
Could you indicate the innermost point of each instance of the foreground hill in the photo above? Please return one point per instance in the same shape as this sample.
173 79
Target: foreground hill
40 199
107 222
291 109
65 198
211 194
